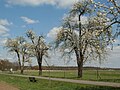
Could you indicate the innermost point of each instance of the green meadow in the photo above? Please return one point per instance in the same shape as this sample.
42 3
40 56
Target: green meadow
25 84
103 75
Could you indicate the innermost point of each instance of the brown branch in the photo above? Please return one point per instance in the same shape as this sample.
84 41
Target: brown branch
112 24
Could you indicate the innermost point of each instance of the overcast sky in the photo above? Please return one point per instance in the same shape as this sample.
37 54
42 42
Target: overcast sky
44 17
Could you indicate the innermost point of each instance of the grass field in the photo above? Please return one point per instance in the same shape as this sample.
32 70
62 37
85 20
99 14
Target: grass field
25 84
105 75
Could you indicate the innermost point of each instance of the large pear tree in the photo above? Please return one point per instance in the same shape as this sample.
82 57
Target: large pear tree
86 39
39 48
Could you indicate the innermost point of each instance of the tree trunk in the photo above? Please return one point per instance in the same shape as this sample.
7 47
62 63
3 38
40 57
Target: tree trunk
39 58
79 51
79 58
40 68
18 60
80 68
22 68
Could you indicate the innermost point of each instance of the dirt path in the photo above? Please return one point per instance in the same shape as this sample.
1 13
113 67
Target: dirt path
5 86
98 83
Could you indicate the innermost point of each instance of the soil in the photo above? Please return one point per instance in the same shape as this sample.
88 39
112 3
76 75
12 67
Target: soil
6 86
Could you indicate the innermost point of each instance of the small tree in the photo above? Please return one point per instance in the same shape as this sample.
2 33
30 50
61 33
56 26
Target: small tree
86 40
25 51
21 48
39 47
13 46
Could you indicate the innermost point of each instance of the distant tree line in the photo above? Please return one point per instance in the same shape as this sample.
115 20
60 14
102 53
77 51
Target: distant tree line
6 65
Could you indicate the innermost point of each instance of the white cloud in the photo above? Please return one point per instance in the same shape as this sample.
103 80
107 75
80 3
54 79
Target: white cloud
30 2
65 3
3 30
5 22
58 3
113 58
53 33
6 34
29 21
8 6
3 41
3 27
23 26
